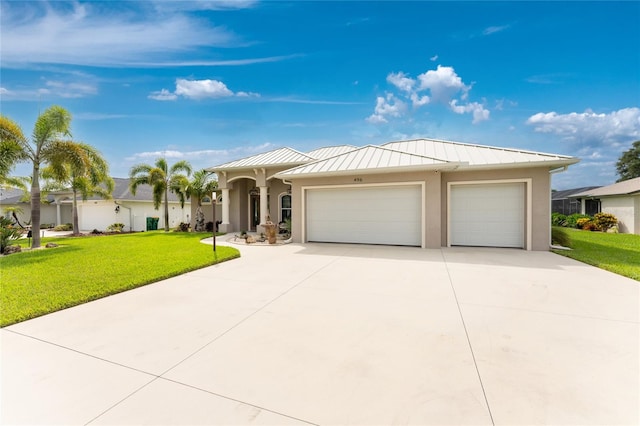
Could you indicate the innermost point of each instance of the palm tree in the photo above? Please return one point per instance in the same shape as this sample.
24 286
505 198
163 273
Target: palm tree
48 144
86 179
10 150
201 185
162 179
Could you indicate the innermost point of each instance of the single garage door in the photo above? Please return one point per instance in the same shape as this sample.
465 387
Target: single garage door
365 214
488 215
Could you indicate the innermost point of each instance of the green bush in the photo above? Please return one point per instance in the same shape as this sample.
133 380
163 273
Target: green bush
115 227
558 219
8 233
605 221
572 220
65 227
559 237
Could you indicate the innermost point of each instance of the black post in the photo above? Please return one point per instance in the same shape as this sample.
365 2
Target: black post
213 204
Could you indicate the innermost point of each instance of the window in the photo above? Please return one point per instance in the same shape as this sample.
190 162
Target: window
285 207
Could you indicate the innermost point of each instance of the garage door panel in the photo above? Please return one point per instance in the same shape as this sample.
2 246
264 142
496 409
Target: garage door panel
490 215
369 215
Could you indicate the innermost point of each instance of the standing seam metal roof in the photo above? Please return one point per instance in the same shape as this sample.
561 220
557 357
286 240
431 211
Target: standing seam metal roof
280 156
369 157
474 155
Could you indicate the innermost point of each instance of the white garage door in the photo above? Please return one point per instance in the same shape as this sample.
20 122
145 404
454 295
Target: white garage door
489 215
368 215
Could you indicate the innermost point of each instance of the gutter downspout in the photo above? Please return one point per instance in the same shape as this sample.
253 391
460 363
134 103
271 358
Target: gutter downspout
551 172
130 213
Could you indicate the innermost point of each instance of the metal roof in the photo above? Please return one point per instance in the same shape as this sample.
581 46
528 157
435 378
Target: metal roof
626 187
330 151
278 157
367 159
477 155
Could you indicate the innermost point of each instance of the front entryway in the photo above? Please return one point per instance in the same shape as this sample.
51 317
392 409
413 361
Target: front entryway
254 211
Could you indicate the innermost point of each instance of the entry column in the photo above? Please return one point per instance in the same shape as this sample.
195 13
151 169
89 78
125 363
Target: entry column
225 225
264 205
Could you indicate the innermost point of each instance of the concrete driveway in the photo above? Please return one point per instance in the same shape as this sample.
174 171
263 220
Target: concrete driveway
340 334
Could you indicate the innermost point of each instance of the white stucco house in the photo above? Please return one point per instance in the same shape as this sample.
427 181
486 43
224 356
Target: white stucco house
621 199
425 192
96 213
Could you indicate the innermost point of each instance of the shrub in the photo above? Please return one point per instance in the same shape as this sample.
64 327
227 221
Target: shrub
605 221
8 234
47 225
559 237
183 227
65 227
583 222
572 220
115 227
208 227
558 219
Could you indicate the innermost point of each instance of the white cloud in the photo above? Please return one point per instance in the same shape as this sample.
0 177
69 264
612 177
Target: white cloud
478 110
89 34
433 58
401 81
52 89
442 85
199 89
163 95
494 29
71 90
388 106
202 158
589 127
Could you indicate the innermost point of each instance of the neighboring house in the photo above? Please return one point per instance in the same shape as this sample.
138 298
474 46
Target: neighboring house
621 199
49 211
561 202
426 193
96 213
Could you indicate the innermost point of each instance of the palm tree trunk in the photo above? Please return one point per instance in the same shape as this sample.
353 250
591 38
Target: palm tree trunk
166 208
76 229
35 207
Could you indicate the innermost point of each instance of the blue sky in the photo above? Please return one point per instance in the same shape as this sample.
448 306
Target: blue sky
214 81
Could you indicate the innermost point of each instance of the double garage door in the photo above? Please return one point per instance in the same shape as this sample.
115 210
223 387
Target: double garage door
489 215
365 214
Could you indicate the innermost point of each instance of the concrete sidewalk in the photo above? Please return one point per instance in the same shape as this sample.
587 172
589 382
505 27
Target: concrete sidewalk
340 334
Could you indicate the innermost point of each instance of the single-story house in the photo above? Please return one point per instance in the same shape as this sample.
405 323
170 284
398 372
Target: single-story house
621 199
425 192
562 202
97 213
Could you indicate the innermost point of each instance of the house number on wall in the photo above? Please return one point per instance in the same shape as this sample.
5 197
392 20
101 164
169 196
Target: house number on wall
357 179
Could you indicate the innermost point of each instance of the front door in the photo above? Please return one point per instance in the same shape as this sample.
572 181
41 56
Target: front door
254 211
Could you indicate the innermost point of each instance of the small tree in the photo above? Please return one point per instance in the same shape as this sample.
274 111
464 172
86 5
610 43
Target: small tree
628 166
86 178
201 185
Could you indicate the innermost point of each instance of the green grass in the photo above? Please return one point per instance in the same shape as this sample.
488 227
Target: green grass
81 269
619 253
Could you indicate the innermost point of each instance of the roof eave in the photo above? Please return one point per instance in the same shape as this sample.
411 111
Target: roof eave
385 170
217 169
551 164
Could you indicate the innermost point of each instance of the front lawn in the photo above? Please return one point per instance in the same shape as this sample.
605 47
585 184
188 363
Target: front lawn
81 269
619 253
